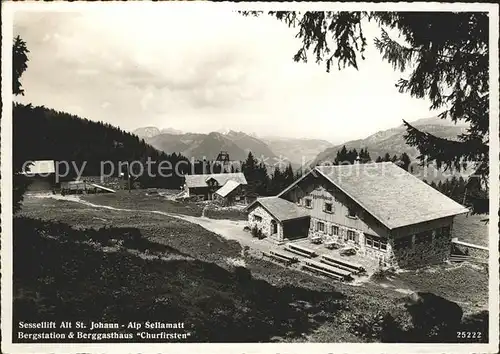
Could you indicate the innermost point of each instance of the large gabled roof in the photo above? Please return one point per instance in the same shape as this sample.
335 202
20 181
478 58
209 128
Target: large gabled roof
389 193
280 208
193 181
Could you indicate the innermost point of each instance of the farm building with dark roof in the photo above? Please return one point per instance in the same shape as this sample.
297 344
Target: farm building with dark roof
379 209
41 175
228 187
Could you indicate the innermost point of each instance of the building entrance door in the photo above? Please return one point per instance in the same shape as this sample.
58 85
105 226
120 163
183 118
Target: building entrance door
274 227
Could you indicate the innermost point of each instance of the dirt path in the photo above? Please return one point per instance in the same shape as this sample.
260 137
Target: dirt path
229 229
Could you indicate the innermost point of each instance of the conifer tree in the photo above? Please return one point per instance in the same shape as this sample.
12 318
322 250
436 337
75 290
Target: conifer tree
19 65
444 57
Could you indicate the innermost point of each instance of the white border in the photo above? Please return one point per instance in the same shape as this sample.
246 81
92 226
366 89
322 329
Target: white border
8 9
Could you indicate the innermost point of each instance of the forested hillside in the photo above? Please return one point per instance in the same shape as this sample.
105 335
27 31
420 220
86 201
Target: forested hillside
40 133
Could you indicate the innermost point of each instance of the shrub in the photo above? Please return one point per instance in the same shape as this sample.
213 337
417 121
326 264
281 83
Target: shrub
383 273
374 327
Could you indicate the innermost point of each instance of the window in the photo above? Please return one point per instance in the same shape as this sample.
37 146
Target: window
335 230
423 237
257 218
351 213
351 235
320 226
308 203
328 207
445 231
404 242
376 242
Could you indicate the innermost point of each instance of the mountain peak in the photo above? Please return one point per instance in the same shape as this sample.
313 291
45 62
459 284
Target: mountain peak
146 132
171 131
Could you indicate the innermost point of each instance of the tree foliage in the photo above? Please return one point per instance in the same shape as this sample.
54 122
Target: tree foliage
51 136
256 175
19 66
444 58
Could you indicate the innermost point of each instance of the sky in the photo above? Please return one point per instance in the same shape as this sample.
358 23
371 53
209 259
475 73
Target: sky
197 70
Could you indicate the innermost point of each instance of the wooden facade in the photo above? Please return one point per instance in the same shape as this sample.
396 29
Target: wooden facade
314 192
39 183
205 186
235 196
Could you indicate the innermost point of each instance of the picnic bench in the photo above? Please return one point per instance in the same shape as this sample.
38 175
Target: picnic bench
280 257
332 245
321 272
319 269
343 264
316 239
344 274
301 251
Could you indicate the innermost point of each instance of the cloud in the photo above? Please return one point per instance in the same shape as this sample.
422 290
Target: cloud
197 70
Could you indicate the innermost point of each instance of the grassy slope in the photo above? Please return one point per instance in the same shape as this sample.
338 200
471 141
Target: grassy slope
471 229
221 303
137 199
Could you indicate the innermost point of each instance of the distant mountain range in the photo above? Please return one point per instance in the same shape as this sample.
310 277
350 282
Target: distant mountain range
237 144
298 151
392 141
149 132
199 146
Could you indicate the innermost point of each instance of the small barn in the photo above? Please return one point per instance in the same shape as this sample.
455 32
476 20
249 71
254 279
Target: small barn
278 219
83 187
206 185
229 194
41 176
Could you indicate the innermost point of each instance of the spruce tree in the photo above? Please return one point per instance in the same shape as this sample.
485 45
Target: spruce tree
446 55
405 162
19 65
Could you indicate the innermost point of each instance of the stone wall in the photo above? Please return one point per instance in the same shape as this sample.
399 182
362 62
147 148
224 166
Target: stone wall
265 224
341 238
411 252
383 256
327 234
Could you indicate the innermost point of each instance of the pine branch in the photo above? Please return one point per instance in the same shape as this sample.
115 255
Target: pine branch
447 153
325 32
